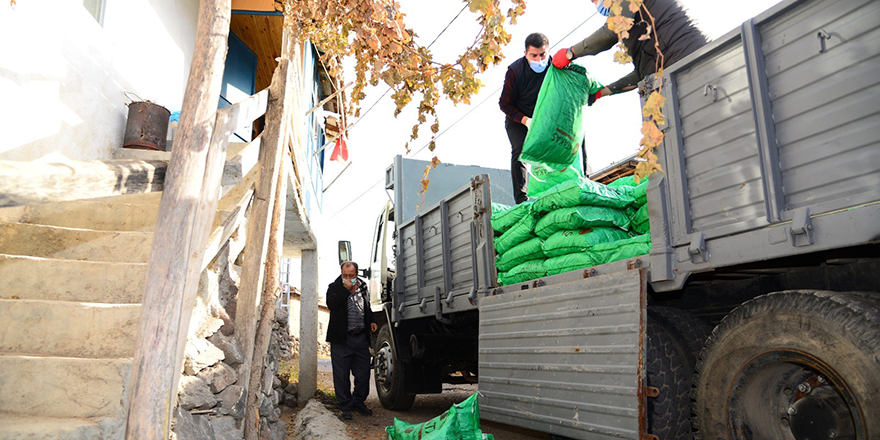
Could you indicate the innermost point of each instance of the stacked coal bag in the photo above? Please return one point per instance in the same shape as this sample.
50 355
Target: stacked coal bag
573 225
520 253
638 191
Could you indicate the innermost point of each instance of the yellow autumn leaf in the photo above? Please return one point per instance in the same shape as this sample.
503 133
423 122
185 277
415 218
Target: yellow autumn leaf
653 107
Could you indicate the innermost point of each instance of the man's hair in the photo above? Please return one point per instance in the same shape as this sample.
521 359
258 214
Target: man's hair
348 263
537 40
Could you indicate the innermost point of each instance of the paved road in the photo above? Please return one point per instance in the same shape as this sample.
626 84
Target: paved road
425 408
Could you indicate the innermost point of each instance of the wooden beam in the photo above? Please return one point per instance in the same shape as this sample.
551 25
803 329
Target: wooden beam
30 183
267 313
274 138
179 237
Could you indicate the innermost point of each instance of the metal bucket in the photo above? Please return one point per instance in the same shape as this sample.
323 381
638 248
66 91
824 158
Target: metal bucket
147 126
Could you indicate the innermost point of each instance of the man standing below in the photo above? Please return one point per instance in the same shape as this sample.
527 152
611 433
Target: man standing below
350 316
518 97
675 32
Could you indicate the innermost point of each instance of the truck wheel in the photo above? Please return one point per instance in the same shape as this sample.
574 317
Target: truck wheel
668 412
792 365
691 332
390 375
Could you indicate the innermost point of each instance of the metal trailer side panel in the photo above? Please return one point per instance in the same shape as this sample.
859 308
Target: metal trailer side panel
453 234
566 358
771 145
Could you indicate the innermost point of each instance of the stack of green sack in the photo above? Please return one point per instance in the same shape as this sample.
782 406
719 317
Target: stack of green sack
573 225
519 251
460 422
638 191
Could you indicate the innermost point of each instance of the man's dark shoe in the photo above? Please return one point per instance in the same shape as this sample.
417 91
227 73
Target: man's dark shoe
346 415
363 410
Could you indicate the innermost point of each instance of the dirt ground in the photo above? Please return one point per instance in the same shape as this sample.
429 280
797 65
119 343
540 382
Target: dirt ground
426 407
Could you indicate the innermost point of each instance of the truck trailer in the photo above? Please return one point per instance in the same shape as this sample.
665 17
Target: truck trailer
756 314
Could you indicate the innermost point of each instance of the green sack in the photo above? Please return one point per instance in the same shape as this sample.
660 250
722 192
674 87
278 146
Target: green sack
557 130
581 192
542 177
569 262
528 250
621 249
566 242
518 233
638 193
640 222
504 217
460 422
580 217
624 181
527 271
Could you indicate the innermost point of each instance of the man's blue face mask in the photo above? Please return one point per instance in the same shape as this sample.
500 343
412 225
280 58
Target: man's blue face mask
600 7
538 66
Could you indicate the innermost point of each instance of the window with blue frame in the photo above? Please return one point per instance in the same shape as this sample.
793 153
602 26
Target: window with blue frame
314 124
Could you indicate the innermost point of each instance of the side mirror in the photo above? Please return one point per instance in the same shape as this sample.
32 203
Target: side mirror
344 251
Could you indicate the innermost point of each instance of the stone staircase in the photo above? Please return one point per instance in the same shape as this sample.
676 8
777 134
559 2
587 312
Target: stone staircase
72 276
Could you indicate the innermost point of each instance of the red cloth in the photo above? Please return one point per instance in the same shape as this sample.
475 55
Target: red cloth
340 150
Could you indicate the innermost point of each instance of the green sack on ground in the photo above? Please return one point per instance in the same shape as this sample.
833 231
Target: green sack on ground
569 262
621 249
542 177
581 192
504 216
528 250
518 233
640 222
568 241
460 422
580 217
557 130
527 271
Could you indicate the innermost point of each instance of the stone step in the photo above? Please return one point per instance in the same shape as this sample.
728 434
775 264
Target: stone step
71 280
69 329
63 387
86 214
16 427
74 244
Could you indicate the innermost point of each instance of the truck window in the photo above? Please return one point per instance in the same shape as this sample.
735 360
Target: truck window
377 239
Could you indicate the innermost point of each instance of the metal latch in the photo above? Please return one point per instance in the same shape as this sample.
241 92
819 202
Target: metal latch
801 231
697 249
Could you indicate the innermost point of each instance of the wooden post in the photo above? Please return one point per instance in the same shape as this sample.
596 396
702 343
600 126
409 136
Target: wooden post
252 272
178 240
267 314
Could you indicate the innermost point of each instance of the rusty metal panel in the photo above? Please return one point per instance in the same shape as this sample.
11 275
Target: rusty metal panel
566 358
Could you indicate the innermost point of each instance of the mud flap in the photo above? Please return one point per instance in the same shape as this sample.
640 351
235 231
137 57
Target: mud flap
567 358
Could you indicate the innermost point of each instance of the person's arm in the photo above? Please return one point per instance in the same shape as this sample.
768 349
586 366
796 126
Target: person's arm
336 299
509 93
625 84
600 41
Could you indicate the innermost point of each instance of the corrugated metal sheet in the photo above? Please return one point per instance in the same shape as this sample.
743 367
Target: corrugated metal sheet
722 167
565 358
825 105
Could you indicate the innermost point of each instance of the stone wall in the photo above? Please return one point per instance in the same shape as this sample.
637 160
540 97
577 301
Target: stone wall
211 402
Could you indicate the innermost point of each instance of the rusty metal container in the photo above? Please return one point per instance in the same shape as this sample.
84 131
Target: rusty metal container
147 126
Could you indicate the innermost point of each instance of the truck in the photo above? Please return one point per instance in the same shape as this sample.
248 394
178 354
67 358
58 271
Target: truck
756 313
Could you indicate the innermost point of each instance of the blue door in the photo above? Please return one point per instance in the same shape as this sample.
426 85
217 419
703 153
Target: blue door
239 81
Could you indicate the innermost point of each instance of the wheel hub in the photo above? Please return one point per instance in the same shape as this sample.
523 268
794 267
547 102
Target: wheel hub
819 415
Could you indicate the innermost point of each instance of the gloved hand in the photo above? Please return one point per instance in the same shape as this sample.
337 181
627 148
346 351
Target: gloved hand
561 59
592 98
527 121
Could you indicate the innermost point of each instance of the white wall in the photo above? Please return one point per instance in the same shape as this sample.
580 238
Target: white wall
62 75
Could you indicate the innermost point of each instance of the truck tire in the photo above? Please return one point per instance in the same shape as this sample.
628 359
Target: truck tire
668 412
795 364
690 331
390 374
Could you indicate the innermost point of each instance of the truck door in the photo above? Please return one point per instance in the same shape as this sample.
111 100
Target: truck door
566 358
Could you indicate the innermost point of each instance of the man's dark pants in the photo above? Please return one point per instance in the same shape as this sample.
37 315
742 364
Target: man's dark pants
516 132
352 356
